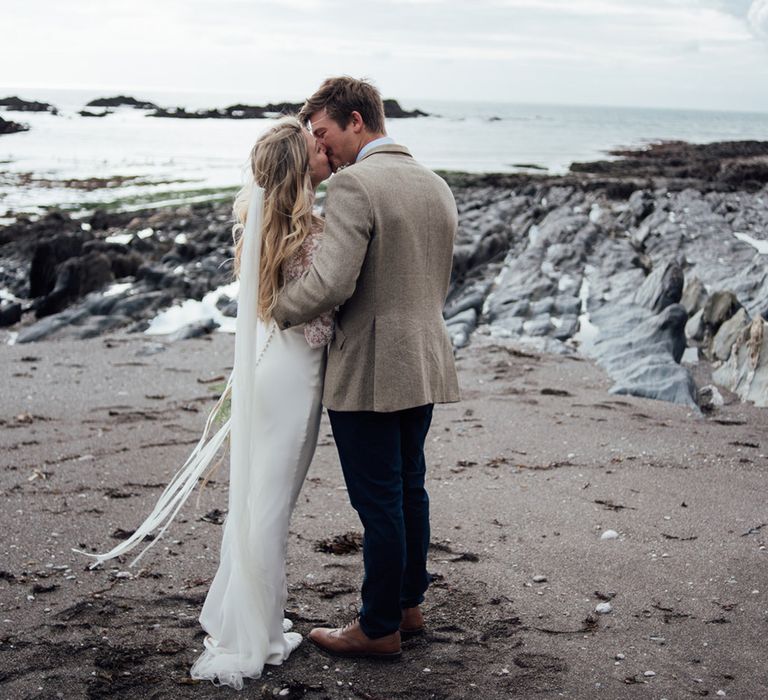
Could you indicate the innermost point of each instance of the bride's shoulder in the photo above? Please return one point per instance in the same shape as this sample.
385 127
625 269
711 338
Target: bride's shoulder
318 225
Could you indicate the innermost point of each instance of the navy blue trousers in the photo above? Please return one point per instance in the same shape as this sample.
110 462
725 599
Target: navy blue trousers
382 457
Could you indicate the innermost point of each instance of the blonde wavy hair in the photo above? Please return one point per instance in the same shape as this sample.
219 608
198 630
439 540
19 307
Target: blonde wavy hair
280 164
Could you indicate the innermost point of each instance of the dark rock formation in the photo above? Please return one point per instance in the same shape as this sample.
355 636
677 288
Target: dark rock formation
121 101
733 164
46 259
590 262
9 127
88 113
16 104
10 313
392 110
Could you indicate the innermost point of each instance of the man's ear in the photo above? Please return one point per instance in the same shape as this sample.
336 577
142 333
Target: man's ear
356 122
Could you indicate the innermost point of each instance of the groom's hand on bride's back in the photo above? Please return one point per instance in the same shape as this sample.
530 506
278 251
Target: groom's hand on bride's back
332 277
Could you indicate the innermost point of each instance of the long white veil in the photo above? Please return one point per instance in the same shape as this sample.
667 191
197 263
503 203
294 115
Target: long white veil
240 387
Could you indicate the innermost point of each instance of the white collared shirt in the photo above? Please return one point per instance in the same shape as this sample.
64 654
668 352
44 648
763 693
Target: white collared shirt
373 144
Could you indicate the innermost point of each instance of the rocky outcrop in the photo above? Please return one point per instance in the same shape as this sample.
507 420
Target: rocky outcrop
9 127
641 351
746 371
733 165
81 283
392 110
592 262
627 270
122 101
16 104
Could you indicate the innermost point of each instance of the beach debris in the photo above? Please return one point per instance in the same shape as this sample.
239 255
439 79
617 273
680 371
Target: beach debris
546 391
123 534
169 647
605 596
539 578
467 556
215 516
609 535
610 505
603 608
39 474
347 543
754 530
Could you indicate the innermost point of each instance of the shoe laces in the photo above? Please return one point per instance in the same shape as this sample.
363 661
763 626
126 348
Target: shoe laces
351 607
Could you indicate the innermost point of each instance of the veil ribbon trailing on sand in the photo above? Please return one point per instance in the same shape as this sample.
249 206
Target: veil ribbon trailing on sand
240 387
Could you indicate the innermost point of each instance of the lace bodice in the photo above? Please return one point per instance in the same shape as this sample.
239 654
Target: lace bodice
319 331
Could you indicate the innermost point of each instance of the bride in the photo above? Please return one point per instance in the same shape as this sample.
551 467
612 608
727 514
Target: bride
275 389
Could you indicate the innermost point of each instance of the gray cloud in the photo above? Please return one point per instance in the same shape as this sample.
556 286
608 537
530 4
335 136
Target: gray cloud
758 18
694 53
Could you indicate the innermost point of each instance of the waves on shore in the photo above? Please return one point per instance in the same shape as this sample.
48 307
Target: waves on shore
128 161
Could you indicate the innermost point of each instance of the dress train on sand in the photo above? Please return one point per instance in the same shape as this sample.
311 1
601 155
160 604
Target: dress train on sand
275 388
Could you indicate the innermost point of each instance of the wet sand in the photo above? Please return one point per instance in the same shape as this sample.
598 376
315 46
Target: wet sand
525 474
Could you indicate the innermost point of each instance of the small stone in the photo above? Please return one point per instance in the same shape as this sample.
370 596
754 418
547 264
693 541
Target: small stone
609 535
721 693
649 674
603 608
620 657
427 670
123 574
539 579
504 671
285 691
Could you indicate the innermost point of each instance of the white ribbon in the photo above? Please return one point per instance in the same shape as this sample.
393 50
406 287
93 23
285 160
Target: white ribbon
240 387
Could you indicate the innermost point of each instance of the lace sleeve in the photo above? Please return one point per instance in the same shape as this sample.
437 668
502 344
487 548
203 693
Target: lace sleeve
318 331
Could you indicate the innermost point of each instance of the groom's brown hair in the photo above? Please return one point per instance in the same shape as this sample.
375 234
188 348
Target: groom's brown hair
343 95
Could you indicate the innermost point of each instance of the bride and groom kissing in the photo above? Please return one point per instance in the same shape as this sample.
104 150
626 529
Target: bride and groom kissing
345 313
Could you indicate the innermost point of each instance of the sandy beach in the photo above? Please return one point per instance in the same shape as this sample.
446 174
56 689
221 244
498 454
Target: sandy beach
525 476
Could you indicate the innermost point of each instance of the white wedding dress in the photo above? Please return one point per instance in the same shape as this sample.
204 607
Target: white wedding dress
276 388
243 612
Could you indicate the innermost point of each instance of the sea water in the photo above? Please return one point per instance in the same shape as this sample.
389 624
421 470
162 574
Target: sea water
141 160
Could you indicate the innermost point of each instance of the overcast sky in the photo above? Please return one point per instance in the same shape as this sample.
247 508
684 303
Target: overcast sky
709 54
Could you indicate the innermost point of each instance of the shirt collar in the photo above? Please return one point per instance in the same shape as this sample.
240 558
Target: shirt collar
373 144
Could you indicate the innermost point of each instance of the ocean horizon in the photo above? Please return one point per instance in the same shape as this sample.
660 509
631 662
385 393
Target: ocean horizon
127 160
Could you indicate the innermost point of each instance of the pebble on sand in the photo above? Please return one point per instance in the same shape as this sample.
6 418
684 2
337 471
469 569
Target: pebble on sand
609 535
603 608
539 579
649 674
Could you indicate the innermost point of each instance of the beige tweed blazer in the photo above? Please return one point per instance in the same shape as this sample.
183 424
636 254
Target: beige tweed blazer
385 260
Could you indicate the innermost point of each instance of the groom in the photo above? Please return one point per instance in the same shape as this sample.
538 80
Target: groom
385 260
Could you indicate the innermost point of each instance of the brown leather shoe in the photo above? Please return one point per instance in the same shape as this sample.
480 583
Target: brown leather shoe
412 622
351 641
